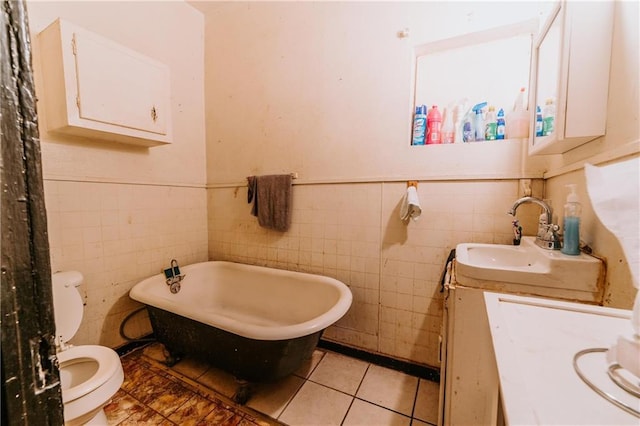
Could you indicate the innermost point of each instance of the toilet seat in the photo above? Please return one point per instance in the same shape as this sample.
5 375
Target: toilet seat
108 365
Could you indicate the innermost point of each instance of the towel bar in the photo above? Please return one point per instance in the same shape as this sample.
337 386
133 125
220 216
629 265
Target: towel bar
293 176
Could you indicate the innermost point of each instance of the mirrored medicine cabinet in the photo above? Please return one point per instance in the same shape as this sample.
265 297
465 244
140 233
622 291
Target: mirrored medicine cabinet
570 78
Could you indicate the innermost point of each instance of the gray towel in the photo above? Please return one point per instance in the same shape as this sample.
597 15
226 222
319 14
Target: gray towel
271 196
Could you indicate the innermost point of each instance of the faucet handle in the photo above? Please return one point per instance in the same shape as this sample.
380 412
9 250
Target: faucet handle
542 220
517 232
551 237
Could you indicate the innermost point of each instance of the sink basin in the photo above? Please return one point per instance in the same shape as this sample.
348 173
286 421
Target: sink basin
529 266
499 256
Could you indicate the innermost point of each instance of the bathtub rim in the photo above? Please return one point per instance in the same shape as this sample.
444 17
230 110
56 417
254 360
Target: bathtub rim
250 331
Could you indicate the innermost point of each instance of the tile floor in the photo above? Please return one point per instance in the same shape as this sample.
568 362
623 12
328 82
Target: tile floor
330 389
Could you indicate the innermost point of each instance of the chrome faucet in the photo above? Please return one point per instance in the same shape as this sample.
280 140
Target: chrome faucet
173 276
547 236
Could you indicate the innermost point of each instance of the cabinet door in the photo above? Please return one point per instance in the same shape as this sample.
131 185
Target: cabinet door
572 58
98 89
118 86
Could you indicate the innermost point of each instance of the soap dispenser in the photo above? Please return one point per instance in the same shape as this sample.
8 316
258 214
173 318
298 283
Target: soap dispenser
571 223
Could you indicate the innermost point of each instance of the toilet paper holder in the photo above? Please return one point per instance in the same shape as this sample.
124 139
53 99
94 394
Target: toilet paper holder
412 183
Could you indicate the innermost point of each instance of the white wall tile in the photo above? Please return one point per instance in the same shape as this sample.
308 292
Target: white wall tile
96 241
353 232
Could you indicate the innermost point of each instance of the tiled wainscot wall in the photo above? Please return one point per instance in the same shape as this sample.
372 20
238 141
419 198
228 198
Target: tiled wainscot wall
352 232
116 234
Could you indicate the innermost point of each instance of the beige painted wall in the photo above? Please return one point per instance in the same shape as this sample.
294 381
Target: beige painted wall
622 138
119 213
324 89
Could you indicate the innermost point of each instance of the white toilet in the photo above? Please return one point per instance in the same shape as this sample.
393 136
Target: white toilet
90 374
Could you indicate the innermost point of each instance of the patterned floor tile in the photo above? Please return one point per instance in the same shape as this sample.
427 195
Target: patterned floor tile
134 374
191 368
150 389
146 417
122 405
220 416
192 411
170 399
154 394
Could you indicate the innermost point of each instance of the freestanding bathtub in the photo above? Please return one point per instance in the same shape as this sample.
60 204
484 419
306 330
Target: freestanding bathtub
257 323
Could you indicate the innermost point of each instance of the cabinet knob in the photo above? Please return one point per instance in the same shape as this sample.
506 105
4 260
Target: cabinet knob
154 113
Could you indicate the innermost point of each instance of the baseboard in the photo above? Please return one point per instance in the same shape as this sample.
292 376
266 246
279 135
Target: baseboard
418 370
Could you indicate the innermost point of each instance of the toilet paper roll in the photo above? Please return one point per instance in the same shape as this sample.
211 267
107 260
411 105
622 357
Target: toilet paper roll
410 208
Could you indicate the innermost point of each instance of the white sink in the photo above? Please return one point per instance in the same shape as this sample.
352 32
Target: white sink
528 265
499 256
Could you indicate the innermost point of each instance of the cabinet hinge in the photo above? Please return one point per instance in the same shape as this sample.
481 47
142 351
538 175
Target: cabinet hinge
74 49
78 101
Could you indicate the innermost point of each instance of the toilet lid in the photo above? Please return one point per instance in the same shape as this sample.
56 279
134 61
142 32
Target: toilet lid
67 304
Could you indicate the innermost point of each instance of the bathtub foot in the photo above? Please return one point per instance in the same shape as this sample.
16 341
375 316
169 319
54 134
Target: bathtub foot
171 358
243 392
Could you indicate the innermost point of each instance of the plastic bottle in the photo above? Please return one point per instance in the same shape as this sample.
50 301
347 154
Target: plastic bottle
571 223
478 121
538 121
468 135
548 117
419 125
500 125
448 131
490 127
434 124
518 119
458 118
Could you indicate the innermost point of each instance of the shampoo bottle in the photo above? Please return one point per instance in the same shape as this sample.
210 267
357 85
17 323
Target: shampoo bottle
571 223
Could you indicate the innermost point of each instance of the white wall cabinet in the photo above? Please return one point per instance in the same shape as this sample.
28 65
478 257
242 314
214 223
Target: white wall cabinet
571 66
96 88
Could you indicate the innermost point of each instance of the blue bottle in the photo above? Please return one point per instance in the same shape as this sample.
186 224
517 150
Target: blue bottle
571 223
538 121
419 125
500 129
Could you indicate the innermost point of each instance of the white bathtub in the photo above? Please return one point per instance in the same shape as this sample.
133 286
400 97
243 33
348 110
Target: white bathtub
241 309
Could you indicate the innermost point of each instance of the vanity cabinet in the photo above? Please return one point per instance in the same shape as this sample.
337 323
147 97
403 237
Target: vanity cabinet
571 62
96 88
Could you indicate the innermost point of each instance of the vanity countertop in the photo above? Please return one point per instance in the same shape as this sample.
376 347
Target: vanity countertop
535 341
